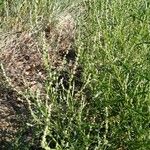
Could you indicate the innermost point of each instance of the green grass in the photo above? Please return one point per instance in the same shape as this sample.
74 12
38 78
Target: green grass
113 44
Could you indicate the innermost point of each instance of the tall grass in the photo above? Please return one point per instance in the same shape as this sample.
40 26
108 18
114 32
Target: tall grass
112 109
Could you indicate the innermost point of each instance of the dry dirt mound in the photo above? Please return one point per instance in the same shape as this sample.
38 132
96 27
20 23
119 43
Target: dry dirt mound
23 61
22 55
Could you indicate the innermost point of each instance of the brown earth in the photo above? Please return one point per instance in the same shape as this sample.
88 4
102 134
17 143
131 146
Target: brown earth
25 66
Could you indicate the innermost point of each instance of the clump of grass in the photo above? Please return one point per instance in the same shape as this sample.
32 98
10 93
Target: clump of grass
110 109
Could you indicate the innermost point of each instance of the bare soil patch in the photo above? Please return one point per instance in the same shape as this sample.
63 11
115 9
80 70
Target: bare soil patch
25 67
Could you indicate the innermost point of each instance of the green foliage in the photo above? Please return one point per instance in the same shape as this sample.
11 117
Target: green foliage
112 111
